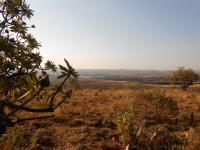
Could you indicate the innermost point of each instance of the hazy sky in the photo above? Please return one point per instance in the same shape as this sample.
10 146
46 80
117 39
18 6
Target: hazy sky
134 34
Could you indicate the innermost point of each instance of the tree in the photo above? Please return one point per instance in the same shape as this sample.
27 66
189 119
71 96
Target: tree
20 63
184 77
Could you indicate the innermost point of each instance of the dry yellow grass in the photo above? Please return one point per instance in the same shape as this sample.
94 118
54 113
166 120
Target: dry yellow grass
86 121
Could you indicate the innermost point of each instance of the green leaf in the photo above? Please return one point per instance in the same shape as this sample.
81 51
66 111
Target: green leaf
63 68
62 76
50 65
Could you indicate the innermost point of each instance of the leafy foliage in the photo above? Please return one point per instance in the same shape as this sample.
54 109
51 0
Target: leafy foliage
67 71
184 77
50 65
126 127
21 62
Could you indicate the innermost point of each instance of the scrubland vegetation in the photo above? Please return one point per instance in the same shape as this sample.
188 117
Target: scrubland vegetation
94 114
96 118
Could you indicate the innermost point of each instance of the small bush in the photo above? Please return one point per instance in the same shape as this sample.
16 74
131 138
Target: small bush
146 106
154 105
125 127
184 77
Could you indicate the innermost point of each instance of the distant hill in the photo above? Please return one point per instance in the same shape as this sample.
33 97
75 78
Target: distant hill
122 73
142 76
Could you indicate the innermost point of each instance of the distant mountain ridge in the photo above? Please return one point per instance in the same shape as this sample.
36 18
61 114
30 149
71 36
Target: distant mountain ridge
142 76
122 73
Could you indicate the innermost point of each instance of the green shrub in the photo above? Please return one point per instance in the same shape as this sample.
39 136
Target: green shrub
125 127
184 77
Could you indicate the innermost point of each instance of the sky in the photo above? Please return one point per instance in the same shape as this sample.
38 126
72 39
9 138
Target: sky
119 34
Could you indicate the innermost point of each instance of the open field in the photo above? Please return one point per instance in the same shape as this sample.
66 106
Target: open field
112 75
88 120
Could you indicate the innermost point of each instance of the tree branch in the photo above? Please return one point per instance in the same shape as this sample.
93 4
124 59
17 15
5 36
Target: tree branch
36 110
